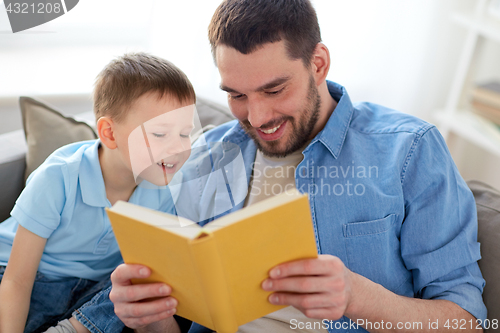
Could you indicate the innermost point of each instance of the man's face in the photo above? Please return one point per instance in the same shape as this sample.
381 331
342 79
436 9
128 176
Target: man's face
274 98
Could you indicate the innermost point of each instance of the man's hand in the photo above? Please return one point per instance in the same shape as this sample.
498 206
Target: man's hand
320 288
141 304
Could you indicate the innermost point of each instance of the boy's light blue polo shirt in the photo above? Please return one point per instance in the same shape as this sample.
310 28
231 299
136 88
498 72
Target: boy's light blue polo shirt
64 201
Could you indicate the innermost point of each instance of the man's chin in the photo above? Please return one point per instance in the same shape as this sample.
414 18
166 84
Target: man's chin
275 148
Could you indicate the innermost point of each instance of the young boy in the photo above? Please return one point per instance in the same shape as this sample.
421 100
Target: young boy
58 241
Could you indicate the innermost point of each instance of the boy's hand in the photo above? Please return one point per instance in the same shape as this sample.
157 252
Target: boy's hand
133 303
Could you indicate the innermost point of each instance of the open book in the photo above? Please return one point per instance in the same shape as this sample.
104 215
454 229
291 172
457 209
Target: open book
216 271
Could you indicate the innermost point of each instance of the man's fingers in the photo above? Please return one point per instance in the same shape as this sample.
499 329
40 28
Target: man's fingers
299 284
147 308
323 265
139 292
307 301
125 272
144 321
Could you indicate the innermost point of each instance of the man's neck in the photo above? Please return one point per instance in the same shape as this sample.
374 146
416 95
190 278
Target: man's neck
328 105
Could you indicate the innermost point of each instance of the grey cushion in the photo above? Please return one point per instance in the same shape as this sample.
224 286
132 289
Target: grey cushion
488 215
211 113
12 166
46 129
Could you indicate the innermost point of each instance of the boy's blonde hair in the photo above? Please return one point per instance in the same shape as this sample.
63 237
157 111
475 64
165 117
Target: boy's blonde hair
130 76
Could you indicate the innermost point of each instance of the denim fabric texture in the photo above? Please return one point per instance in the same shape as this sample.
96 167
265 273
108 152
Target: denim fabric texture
98 315
55 300
385 197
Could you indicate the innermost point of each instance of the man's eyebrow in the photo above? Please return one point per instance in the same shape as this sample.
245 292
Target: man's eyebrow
267 86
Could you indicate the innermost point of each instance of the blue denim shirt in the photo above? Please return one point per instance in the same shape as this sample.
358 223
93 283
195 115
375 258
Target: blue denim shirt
385 197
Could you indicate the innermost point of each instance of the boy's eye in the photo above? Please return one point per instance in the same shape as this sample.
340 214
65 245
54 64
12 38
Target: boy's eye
184 135
159 135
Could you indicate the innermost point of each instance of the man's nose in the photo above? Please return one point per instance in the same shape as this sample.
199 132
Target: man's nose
259 113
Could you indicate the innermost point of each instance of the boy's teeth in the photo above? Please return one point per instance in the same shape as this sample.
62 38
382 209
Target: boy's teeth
168 165
272 130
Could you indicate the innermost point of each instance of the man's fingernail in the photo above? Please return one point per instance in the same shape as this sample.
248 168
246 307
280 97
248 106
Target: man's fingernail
273 299
164 290
143 271
170 303
276 273
268 284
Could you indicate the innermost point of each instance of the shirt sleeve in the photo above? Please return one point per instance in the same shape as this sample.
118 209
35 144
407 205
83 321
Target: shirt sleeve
439 234
40 205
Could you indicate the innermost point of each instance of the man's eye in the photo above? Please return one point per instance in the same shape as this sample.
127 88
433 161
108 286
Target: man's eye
159 135
236 96
184 135
274 92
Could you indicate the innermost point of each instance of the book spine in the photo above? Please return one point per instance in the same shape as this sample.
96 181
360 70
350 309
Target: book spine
208 262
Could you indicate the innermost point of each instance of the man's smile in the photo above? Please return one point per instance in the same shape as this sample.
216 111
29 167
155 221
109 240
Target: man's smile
273 133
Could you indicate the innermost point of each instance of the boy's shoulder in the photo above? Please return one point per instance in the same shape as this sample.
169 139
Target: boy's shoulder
68 159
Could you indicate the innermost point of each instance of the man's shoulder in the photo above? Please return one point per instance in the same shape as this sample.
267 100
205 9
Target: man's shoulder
222 131
371 118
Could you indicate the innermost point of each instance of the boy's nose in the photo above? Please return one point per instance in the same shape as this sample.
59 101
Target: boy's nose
177 146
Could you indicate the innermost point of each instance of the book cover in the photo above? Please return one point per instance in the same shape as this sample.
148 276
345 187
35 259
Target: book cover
216 271
487 93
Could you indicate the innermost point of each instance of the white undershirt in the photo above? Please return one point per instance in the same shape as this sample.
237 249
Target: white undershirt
272 176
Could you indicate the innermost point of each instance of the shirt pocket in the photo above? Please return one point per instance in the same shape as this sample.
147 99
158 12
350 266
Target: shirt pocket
374 251
355 229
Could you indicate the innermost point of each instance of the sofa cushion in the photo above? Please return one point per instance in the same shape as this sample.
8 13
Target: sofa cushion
488 215
212 114
46 129
12 166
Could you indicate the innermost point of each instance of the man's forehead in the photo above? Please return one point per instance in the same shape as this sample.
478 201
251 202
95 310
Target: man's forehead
266 66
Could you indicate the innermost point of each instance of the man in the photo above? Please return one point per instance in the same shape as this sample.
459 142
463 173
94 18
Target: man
395 223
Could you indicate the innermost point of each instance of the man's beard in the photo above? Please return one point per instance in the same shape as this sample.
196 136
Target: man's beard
301 129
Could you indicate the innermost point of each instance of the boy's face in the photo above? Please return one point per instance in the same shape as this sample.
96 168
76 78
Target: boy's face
154 138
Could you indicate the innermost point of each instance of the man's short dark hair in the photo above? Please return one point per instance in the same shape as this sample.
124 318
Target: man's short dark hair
245 25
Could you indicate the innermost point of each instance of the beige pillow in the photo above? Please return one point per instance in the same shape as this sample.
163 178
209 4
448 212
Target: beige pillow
46 129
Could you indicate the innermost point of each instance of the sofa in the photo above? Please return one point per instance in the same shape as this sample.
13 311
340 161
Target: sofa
46 129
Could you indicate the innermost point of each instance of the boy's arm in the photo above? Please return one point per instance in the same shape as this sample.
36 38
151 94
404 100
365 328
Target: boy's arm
17 282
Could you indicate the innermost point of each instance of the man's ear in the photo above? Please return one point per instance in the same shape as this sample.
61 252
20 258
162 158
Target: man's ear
320 63
105 130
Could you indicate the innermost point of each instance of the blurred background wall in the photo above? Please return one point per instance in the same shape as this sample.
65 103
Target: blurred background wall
399 53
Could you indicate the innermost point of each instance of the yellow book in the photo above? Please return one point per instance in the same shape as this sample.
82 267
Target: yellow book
216 272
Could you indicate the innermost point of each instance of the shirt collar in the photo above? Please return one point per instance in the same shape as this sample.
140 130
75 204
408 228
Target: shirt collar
333 135
90 178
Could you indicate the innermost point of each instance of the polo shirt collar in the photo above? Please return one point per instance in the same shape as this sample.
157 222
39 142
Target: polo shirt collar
90 178
333 135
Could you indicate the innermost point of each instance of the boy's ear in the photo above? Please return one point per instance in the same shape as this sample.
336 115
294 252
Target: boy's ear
105 131
320 63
